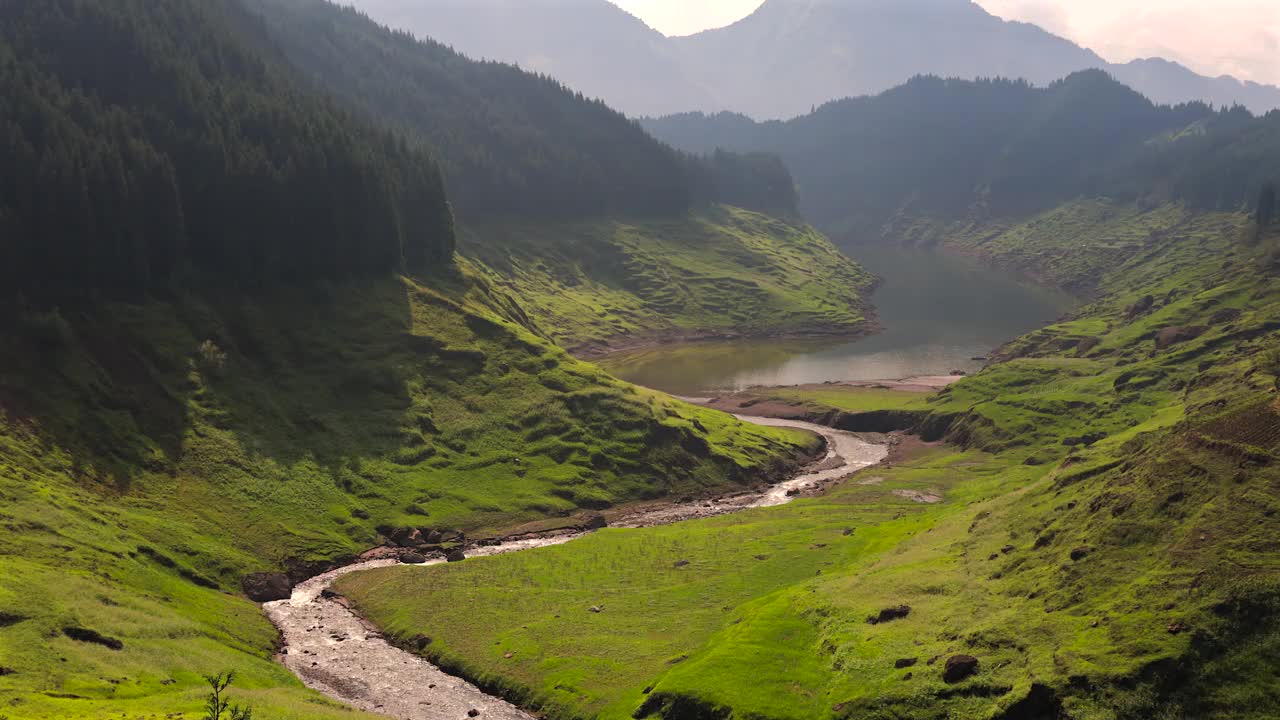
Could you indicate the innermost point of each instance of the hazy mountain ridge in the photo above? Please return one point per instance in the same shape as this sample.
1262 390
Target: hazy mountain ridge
787 57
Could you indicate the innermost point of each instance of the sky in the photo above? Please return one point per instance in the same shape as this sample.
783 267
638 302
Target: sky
1212 37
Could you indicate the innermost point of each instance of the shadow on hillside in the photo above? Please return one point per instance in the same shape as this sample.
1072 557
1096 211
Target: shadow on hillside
292 375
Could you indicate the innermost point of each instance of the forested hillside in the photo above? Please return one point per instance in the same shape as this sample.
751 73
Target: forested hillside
512 143
954 148
145 141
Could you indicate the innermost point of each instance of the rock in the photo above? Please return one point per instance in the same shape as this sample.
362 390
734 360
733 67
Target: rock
595 522
597 609
1007 549
456 555
959 667
908 676
890 614
431 536
405 537
413 558
473 713
1225 315
86 635
905 663
329 594
1081 553
267 586
1171 336
792 493
958 373
682 563
7 671
1086 344
1142 307
848 532
1176 628
420 642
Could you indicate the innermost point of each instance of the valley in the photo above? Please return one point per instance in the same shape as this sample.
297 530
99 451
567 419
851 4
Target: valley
399 383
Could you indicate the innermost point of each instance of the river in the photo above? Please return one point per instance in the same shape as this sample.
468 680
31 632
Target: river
332 650
940 314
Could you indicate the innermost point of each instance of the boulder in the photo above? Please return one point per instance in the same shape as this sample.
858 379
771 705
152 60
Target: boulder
959 667
1142 307
1081 553
430 536
420 643
890 614
266 586
456 555
413 558
905 663
595 521
86 635
1225 315
1171 336
405 537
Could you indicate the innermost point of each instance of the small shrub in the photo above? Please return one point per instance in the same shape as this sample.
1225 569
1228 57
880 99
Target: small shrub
211 357
216 707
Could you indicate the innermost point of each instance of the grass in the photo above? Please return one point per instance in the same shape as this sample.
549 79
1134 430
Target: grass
725 270
143 473
1104 544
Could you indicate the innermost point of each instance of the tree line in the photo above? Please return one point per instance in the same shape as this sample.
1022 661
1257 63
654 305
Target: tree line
512 143
954 148
143 142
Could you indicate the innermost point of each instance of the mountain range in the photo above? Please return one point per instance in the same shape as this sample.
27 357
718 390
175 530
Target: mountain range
784 59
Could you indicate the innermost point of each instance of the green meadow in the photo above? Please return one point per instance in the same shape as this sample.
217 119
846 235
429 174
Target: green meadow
1105 501
152 454
721 271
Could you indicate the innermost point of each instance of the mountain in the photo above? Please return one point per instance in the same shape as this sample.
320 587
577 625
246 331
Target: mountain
951 148
590 45
787 57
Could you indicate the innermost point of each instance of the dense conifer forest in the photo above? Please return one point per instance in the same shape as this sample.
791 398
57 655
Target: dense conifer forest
999 147
512 143
146 140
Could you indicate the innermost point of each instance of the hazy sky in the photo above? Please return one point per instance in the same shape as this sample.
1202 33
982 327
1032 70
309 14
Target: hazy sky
1214 37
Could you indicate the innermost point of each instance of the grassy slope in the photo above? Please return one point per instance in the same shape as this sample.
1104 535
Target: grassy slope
722 271
139 480
1131 578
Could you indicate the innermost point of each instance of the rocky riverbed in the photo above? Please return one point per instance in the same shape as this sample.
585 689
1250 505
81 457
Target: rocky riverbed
332 650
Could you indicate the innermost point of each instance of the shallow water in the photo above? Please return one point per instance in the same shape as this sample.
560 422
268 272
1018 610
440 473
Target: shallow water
939 313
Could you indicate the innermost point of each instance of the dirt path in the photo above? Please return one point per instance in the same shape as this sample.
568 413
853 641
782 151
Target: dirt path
332 650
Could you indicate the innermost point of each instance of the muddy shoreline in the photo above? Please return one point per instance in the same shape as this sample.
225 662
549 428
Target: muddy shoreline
334 651
619 344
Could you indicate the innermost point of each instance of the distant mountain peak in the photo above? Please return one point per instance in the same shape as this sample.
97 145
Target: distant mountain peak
785 58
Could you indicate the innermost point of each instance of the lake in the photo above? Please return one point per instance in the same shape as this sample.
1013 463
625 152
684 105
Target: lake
939 313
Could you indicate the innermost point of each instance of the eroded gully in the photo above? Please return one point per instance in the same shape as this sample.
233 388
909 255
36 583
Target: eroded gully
334 651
